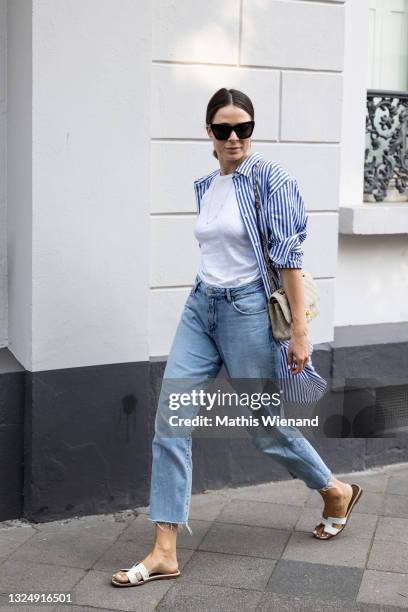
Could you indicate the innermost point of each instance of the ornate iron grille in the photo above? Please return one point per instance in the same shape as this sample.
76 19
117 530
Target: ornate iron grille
386 157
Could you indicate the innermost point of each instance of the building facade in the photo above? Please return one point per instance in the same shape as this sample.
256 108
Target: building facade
101 104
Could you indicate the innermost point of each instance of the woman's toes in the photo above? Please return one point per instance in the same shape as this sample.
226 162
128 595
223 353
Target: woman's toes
120 577
318 530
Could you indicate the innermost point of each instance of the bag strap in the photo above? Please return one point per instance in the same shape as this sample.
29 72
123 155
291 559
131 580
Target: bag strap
263 240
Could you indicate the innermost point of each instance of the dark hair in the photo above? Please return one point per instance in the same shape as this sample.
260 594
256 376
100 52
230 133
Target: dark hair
225 97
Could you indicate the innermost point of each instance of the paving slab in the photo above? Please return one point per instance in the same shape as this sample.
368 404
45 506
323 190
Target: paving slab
388 556
24 607
395 529
344 550
195 597
396 505
315 580
271 602
260 514
386 588
64 545
220 569
395 468
370 503
398 484
140 530
6 606
245 540
294 493
373 483
24 576
207 506
13 537
79 609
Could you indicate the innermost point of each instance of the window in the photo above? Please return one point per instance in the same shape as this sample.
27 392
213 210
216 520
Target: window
388 45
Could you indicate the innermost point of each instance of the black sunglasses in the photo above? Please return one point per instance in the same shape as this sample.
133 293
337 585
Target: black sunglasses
222 131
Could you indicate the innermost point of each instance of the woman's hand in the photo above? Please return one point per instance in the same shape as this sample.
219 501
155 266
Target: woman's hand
298 351
299 345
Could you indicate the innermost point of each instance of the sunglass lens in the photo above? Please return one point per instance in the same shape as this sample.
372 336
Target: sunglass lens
222 131
244 130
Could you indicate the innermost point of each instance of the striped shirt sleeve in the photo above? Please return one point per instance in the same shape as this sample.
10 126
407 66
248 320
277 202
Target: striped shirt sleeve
287 219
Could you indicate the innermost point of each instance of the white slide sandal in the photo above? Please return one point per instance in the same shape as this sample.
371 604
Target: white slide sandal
329 530
141 569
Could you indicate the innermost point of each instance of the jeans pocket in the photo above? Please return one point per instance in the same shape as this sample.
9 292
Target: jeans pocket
250 303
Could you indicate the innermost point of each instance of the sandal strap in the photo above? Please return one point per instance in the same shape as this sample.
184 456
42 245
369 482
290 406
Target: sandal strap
340 520
329 528
137 568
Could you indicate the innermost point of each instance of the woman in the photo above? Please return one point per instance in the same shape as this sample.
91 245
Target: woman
225 321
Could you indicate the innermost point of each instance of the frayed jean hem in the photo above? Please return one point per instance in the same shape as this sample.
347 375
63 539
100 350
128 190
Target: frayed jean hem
326 486
171 524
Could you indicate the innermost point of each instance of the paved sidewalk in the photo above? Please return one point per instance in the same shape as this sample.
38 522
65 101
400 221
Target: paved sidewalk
251 549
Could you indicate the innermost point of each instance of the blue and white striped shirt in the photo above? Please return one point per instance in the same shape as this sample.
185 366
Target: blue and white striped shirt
283 219
284 223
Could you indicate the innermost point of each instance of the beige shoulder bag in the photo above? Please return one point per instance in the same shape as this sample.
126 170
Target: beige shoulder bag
278 304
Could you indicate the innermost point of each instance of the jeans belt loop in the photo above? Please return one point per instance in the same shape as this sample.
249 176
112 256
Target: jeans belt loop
228 293
196 283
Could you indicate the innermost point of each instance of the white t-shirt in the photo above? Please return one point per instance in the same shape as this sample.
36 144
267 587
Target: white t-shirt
227 255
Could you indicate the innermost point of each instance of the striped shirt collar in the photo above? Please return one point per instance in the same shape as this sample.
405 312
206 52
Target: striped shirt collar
245 167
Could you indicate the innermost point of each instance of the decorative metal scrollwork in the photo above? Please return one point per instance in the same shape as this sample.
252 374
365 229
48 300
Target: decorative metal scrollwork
386 157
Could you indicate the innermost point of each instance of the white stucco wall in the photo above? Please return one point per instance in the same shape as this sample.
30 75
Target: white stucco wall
372 280
288 57
19 179
3 174
90 158
355 84
372 273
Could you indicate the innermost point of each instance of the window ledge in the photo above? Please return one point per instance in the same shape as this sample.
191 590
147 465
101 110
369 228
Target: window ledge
374 218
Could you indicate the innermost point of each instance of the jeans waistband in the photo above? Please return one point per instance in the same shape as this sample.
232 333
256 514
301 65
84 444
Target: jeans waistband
228 292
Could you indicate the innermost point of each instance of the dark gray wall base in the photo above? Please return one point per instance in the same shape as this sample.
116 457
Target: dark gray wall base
87 440
12 378
87 432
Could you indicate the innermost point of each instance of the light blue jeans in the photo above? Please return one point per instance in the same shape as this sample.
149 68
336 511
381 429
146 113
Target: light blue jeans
231 327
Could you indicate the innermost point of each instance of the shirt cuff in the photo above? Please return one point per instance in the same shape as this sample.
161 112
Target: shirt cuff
294 262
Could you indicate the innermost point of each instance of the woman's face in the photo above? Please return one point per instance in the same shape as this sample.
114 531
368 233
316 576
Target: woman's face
233 149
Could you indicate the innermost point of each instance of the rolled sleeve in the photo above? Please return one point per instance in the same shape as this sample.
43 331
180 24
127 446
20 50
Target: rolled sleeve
287 220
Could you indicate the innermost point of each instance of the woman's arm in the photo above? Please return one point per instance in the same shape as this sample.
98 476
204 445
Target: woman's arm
298 349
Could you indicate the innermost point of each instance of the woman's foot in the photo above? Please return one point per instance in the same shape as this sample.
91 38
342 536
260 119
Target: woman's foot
155 562
162 559
336 502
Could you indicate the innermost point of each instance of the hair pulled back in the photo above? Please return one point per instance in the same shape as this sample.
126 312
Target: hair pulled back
225 97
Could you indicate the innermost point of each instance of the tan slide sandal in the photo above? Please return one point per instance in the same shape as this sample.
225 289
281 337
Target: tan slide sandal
140 568
329 530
